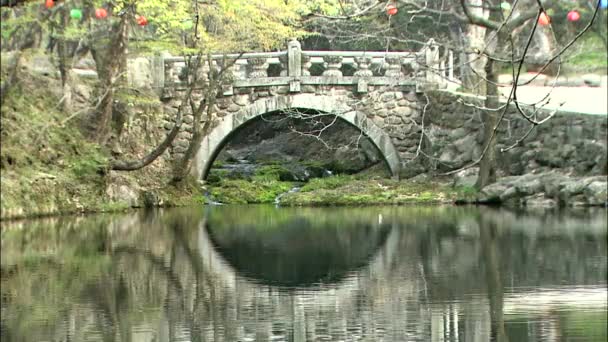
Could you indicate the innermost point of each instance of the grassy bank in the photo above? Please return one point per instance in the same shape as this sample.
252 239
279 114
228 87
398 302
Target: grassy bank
49 167
336 190
350 190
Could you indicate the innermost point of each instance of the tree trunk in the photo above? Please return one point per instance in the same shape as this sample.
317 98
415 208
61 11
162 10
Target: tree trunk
474 38
184 165
487 166
110 73
157 152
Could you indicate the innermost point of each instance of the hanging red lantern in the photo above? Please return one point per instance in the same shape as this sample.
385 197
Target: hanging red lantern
543 19
573 16
391 9
141 20
101 13
49 3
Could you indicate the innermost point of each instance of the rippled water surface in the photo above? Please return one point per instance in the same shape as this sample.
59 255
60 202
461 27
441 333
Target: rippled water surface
262 273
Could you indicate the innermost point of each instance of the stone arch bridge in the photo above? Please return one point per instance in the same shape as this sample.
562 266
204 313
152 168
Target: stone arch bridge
377 92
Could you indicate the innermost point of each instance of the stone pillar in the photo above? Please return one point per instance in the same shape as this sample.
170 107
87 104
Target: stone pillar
294 65
450 65
363 72
333 65
432 58
158 72
295 58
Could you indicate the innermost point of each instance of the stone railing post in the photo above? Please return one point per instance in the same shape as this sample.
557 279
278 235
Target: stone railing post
158 72
294 65
450 65
363 72
432 59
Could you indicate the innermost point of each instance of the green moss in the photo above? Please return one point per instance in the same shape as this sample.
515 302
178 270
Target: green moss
465 194
238 191
326 183
269 173
348 190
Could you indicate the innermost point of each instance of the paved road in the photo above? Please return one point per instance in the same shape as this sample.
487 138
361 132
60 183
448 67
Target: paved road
590 100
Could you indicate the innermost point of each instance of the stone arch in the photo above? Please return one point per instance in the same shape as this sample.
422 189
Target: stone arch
213 143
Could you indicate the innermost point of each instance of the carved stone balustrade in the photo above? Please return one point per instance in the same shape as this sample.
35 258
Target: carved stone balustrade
251 69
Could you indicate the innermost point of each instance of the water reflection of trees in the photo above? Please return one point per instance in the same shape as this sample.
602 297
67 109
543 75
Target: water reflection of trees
141 277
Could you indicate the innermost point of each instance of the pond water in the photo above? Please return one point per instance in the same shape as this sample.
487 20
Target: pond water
260 273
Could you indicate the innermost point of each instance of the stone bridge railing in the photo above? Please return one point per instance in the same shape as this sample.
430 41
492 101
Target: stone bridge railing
296 68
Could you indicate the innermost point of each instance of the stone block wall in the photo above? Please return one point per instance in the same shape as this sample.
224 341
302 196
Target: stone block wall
573 143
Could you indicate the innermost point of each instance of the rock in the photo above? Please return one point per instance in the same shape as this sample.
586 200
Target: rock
493 193
233 108
592 80
447 156
539 201
150 199
596 193
465 145
386 97
84 73
529 187
381 113
466 178
82 90
421 178
457 133
87 63
122 193
41 64
241 100
570 188
551 184
139 72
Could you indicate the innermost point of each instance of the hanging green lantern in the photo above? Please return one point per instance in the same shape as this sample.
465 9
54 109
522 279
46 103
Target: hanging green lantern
188 24
76 14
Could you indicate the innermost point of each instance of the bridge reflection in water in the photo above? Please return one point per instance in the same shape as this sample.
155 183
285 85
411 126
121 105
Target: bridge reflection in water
267 274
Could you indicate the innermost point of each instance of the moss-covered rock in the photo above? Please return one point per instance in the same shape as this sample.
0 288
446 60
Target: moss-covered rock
349 190
239 191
